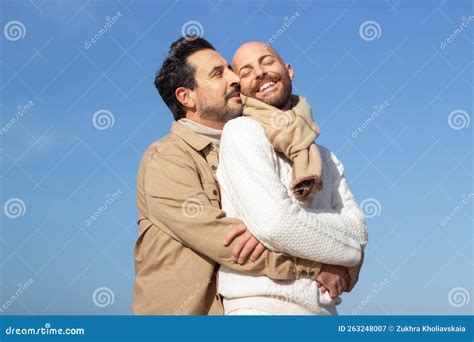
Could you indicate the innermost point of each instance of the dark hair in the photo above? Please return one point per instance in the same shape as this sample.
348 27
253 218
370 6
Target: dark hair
176 72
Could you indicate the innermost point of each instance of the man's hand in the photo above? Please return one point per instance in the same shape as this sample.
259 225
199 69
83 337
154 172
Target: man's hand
334 279
353 273
246 244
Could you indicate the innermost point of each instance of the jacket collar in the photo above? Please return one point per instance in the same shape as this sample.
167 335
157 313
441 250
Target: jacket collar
193 139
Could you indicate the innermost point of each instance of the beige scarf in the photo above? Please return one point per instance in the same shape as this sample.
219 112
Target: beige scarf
212 134
292 133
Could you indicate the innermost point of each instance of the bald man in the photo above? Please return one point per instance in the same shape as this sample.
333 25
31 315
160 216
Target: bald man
256 180
257 64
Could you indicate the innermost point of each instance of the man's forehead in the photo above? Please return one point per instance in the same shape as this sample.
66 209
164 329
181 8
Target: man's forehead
252 51
206 59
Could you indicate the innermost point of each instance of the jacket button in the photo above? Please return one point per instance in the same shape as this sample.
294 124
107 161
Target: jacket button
214 167
215 192
304 273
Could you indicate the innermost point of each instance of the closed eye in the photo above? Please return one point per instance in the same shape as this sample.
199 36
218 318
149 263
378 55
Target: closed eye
245 73
217 71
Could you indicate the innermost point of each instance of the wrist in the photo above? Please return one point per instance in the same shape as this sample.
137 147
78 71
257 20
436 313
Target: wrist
307 269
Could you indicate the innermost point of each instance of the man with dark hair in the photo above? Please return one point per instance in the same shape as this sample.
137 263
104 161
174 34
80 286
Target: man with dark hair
181 224
179 72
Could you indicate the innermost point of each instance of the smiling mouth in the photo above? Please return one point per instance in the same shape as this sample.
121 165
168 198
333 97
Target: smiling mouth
267 87
234 95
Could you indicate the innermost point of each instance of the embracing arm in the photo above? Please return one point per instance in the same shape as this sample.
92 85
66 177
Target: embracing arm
176 199
248 176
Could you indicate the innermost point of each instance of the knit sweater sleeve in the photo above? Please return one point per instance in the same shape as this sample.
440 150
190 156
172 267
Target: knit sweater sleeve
343 211
248 176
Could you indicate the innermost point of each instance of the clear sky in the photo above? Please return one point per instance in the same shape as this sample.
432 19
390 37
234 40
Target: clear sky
391 87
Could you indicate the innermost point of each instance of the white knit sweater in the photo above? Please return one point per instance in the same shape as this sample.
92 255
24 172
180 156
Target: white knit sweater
254 181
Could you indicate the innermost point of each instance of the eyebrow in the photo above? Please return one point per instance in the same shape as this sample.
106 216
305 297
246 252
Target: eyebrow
216 68
259 60
219 68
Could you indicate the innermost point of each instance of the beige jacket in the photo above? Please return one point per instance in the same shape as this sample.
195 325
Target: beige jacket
182 228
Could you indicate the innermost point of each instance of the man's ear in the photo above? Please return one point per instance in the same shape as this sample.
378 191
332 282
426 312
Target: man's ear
185 97
290 71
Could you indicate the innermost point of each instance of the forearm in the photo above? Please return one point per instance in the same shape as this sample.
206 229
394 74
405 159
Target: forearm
348 221
206 236
284 226
204 230
251 184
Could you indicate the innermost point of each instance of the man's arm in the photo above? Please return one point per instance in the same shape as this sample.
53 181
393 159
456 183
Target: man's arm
344 208
248 176
176 198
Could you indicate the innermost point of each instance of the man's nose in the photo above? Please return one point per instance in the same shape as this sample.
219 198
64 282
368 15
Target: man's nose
233 79
259 72
235 85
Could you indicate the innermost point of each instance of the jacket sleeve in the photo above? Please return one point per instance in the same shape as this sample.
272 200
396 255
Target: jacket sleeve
176 198
249 177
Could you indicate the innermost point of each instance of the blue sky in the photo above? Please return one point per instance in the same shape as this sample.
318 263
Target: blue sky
410 162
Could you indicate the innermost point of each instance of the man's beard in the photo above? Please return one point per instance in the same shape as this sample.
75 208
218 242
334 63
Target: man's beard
278 100
220 113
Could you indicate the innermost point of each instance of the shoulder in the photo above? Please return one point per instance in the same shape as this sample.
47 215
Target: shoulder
244 132
243 141
170 149
241 125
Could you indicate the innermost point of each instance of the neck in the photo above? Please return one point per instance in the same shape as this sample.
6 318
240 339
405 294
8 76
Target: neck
288 105
212 124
